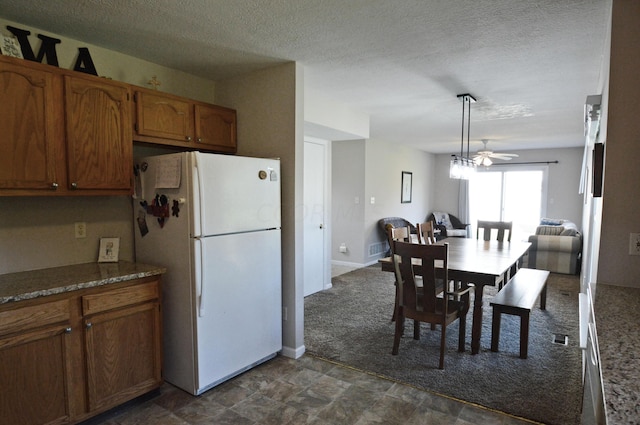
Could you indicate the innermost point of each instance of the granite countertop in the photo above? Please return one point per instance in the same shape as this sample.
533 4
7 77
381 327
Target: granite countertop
617 311
50 281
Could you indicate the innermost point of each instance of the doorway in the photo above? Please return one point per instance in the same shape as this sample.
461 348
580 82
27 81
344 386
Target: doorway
315 222
509 194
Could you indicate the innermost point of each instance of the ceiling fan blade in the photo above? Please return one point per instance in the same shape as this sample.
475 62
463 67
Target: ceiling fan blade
503 155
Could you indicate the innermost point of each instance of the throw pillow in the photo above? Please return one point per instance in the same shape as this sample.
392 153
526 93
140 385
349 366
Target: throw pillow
551 222
443 219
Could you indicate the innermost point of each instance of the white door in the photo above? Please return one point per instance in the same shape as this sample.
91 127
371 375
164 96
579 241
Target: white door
314 217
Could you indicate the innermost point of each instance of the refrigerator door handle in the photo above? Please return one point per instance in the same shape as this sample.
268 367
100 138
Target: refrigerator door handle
197 164
202 276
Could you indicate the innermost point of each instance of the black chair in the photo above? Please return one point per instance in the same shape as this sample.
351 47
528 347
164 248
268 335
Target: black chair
395 222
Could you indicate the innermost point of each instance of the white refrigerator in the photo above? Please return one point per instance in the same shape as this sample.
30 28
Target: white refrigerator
214 222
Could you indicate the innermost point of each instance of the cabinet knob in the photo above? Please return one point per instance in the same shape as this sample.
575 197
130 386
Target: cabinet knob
188 138
68 330
89 324
199 139
54 186
74 185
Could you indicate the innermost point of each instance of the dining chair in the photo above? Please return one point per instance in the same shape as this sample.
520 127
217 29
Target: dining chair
424 304
397 234
426 234
500 226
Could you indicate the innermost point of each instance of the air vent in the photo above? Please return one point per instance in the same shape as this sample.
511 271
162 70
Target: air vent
561 339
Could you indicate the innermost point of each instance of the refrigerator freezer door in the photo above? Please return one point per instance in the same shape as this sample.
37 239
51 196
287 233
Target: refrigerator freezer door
240 320
236 194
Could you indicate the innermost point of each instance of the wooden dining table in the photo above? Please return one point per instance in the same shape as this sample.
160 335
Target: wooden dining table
483 263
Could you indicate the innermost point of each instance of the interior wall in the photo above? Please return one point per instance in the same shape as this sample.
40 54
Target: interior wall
39 232
563 199
268 128
366 169
347 201
620 202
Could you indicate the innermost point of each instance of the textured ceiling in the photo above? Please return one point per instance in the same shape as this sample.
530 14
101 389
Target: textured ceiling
530 63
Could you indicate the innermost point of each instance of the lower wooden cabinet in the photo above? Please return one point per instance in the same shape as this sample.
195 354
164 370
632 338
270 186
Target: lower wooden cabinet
68 357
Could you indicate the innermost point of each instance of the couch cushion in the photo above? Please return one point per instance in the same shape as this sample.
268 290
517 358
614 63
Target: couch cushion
457 233
549 230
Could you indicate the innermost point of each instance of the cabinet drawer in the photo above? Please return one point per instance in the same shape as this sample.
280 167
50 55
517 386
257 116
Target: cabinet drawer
120 297
34 316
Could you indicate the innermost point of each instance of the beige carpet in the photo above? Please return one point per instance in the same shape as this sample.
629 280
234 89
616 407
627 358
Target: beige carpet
350 324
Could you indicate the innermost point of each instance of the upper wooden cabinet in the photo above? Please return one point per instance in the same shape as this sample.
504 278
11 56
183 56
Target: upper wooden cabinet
98 133
166 119
63 133
30 128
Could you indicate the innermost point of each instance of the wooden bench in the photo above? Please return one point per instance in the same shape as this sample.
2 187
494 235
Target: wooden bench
518 297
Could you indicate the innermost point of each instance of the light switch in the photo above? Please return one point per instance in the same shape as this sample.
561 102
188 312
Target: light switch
373 200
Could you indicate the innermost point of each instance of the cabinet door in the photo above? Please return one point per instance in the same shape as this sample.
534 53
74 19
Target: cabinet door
99 141
123 354
216 128
162 116
33 375
27 128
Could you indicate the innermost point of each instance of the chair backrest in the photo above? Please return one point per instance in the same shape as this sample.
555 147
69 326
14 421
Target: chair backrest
398 234
426 235
501 226
434 271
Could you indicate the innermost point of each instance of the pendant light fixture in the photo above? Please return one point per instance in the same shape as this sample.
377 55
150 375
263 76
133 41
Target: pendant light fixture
462 167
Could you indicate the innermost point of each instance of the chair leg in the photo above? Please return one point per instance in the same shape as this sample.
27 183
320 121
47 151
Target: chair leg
416 329
399 330
443 339
461 334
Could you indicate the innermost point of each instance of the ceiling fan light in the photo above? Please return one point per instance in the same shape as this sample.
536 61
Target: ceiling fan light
486 161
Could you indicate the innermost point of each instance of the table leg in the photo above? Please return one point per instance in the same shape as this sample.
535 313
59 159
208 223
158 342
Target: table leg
476 328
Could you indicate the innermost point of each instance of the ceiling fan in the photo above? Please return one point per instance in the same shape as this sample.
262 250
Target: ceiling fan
484 156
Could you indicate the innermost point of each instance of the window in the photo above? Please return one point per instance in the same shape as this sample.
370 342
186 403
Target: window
515 193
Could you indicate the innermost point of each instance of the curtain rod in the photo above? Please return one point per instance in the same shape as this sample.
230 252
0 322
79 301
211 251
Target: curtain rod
526 163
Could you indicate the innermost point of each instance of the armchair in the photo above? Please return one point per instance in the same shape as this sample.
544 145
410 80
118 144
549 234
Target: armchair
395 222
448 224
556 246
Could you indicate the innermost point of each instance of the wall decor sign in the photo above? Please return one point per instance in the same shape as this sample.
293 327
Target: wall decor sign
407 184
9 46
84 63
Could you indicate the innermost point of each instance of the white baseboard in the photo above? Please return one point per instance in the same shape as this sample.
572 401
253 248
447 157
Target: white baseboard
354 265
293 353
346 264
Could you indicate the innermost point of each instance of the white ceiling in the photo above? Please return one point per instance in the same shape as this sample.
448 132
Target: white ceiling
530 63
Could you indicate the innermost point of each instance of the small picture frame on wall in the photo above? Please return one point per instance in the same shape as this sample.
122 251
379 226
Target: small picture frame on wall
9 46
407 184
598 169
109 249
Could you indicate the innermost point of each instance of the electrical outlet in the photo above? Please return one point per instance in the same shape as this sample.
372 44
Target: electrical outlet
634 243
81 229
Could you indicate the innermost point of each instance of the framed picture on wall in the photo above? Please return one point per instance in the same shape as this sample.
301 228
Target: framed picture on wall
109 249
598 169
406 187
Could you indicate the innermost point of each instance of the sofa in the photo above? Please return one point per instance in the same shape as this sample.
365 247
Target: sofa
556 246
448 224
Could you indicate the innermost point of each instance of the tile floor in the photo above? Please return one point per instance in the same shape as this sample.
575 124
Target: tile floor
304 391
